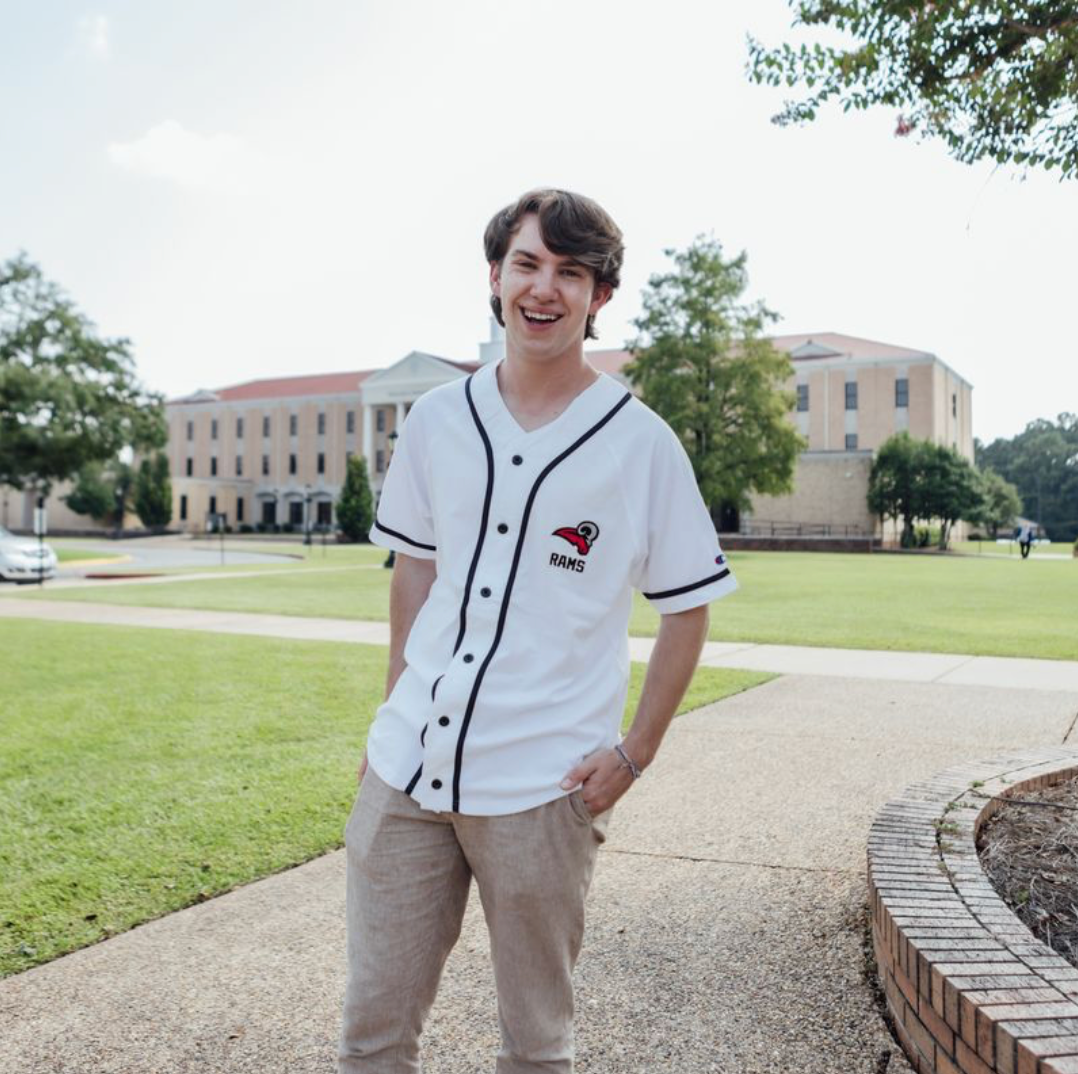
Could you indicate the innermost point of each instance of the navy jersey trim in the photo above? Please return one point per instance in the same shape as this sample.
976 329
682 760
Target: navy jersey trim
688 588
504 611
415 779
483 519
403 537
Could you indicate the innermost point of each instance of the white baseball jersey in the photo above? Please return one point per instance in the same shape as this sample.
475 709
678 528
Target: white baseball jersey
518 661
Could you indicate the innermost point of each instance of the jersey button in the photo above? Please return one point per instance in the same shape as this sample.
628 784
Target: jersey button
468 658
443 721
502 527
436 784
484 592
517 460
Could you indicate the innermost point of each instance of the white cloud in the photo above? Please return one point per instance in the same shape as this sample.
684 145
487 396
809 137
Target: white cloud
95 35
217 162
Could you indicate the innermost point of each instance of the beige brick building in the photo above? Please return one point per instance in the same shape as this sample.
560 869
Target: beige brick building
273 452
852 394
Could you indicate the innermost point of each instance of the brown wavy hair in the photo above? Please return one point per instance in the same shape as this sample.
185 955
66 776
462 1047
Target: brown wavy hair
572 226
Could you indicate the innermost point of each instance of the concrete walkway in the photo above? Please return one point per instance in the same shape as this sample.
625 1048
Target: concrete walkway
949 668
726 921
725 924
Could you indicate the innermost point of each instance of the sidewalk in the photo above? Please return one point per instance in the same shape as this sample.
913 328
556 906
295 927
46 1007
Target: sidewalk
725 922
948 668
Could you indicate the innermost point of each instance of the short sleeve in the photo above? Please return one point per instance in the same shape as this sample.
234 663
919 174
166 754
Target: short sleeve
404 521
683 565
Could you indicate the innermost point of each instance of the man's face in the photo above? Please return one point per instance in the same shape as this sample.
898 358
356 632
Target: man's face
546 297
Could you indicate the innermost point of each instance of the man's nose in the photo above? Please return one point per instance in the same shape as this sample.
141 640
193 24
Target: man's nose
544 284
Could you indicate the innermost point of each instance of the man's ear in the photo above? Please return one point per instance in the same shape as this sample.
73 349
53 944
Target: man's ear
496 278
600 297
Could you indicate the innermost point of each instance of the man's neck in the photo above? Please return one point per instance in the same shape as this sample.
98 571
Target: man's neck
533 383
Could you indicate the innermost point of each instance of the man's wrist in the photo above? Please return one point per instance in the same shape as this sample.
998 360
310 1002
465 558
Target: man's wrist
641 754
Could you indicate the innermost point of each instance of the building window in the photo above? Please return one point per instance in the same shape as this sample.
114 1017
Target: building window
190 430
380 420
265 425
350 422
321 462
239 508
347 456
295 512
954 405
213 505
239 466
851 395
293 424
902 391
325 513
213 428
183 508
291 464
379 461
851 441
321 425
239 428
265 466
802 397
190 467
213 466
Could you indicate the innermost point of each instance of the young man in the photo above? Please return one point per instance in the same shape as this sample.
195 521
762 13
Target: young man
524 503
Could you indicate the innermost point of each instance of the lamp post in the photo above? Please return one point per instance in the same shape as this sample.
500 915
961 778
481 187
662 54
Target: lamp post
307 514
391 559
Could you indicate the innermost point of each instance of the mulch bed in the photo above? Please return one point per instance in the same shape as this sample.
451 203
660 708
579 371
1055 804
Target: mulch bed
1029 850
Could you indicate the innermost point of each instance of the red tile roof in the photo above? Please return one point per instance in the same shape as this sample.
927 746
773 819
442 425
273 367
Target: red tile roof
849 346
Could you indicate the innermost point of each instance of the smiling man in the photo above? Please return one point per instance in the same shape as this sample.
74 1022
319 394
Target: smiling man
525 504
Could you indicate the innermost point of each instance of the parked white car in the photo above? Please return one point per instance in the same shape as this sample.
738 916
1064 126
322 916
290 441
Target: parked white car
23 559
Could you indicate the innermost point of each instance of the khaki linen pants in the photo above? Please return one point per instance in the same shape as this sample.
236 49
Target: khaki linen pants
409 871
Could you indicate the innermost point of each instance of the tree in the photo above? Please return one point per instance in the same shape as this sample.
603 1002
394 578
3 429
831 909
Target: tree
946 488
1000 503
916 479
1042 463
892 482
67 397
103 492
153 492
992 78
355 506
701 363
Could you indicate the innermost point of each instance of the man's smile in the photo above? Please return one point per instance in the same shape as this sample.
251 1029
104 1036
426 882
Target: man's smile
539 317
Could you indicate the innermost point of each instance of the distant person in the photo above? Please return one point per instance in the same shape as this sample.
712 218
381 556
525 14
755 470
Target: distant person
525 503
1025 538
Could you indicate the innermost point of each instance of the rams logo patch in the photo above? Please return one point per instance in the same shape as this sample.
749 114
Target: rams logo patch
581 536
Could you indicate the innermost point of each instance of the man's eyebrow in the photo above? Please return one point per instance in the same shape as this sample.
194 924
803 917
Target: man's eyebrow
529 256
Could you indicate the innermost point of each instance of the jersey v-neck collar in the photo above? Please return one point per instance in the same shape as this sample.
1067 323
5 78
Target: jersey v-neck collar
585 408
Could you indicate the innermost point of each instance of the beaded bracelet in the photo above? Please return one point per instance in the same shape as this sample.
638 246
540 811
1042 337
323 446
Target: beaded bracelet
628 762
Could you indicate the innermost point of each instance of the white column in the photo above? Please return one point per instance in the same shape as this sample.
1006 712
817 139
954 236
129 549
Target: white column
400 418
368 436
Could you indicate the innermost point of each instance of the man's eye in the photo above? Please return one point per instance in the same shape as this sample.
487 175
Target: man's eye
571 272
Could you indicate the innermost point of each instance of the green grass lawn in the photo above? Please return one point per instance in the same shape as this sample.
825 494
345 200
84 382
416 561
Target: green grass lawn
142 771
1056 548
959 604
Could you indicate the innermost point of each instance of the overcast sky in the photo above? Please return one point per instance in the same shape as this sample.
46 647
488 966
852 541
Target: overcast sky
249 189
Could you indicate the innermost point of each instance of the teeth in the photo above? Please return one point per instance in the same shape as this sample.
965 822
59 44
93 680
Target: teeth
540 316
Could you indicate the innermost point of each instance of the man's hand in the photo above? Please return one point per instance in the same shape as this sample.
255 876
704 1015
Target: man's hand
362 770
604 777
